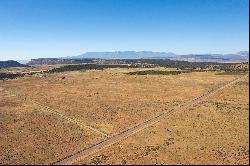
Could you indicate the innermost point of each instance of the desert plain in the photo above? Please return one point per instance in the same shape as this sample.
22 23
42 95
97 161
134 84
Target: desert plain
45 119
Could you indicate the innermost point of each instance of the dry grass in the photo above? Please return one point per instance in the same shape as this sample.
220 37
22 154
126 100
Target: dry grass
212 132
113 101
29 136
25 69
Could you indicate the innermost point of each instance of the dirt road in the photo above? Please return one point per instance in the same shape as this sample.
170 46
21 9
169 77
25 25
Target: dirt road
111 140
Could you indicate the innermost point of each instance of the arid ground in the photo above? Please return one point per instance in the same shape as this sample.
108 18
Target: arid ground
44 119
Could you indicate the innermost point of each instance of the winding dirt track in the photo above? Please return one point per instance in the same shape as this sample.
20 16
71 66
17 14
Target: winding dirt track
111 140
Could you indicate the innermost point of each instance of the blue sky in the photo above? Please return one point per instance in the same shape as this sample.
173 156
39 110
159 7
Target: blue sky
58 28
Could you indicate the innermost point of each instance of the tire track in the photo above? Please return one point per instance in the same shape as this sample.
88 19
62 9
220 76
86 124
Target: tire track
52 111
111 140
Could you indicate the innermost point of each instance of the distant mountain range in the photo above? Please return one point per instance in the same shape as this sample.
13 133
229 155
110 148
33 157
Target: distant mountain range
235 57
89 57
123 55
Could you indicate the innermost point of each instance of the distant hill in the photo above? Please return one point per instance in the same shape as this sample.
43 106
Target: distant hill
54 61
237 57
11 63
24 62
243 53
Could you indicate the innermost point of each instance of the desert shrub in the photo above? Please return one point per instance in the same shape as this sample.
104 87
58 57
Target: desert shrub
89 67
157 72
4 76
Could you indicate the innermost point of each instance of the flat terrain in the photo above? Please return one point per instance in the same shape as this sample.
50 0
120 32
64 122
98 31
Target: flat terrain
212 132
31 136
44 119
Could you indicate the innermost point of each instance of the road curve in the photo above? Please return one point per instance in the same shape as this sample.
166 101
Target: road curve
111 140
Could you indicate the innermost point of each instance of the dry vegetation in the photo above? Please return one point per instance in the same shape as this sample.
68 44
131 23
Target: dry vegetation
112 101
212 132
30 136
25 69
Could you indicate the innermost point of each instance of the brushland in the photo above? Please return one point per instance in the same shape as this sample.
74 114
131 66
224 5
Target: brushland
58 111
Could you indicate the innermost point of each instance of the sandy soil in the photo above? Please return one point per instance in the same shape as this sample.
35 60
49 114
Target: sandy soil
29 136
112 101
212 132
